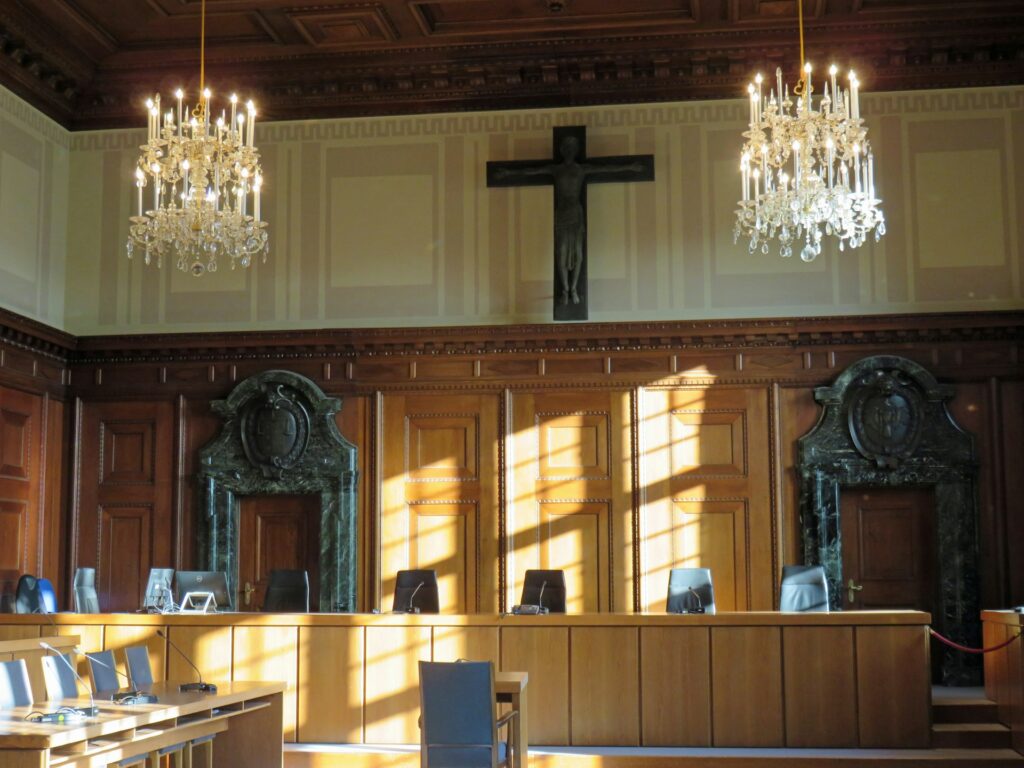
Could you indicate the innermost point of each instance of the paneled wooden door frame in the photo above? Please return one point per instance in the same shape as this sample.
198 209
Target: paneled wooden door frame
706 492
570 495
439 496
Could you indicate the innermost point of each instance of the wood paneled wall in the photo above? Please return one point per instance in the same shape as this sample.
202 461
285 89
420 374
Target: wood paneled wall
615 452
32 450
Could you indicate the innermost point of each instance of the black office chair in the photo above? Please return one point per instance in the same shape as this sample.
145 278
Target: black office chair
86 599
804 588
416 592
690 591
27 598
287 592
103 670
457 716
60 682
158 596
545 588
15 688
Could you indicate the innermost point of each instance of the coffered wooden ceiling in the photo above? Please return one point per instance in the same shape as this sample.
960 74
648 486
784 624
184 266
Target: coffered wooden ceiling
90 63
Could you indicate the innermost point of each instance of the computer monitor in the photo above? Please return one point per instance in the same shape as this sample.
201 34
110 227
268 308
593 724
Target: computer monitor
416 592
158 595
552 582
205 581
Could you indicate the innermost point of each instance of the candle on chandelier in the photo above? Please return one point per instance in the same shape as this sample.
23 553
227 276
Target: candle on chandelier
251 109
140 179
745 175
256 186
234 107
750 94
185 166
871 175
778 76
832 74
760 109
854 96
856 167
757 179
155 168
179 95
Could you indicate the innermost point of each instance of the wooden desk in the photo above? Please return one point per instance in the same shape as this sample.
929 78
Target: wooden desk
245 717
1004 670
510 687
850 679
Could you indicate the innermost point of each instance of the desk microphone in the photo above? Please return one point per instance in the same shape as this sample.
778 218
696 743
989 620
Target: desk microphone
411 608
700 605
92 710
200 686
533 610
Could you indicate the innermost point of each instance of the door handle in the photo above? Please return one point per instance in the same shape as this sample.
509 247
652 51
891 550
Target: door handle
249 589
852 589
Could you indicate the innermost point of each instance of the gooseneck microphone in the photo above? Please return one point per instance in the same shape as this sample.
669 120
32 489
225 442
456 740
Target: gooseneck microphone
92 710
540 597
130 696
200 686
411 608
700 604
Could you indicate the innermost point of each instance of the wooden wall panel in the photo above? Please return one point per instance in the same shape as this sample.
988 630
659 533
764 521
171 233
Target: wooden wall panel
605 674
542 652
270 653
22 451
124 522
820 685
209 648
747 659
439 496
119 636
707 493
891 656
392 683
675 681
570 503
330 684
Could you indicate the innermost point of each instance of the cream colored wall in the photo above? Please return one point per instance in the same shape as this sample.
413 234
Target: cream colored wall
34 173
388 222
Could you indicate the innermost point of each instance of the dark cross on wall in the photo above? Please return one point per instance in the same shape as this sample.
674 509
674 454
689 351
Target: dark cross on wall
569 171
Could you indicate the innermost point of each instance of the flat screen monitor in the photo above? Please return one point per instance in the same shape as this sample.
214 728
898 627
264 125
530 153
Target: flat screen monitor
158 595
551 583
416 592
205 581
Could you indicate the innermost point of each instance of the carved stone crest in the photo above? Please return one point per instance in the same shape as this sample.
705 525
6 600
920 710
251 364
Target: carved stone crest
275 429
885 417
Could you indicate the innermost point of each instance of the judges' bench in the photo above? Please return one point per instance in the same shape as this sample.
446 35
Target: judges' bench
734 679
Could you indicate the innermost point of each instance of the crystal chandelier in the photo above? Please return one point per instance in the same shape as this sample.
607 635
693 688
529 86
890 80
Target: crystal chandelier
202 173
807 167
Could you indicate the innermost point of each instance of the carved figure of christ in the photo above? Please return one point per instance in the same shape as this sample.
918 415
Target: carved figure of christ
569 172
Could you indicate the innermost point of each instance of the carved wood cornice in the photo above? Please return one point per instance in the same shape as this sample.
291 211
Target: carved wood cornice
724 335
85 68
35 337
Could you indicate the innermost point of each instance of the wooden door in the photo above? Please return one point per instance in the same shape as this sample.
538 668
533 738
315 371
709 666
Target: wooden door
439 497
570 496
889 548
706 493
276 532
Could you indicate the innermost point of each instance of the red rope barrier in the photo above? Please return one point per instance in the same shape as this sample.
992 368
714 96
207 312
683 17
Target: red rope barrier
965 649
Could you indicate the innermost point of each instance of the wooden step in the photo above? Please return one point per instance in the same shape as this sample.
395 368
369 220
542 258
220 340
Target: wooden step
964 711
970 736
366 756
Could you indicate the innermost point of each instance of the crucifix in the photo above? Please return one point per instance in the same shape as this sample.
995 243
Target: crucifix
569 172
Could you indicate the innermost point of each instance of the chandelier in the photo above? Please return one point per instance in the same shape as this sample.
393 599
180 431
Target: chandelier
201 173
807 168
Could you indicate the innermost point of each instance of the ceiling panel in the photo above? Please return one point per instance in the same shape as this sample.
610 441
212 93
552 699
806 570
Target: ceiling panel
90 63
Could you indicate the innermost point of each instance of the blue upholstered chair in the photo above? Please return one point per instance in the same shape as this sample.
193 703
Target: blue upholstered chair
690 589
457 716
15 688
140 671
47 596
804 588
59 680
103 671
86 598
